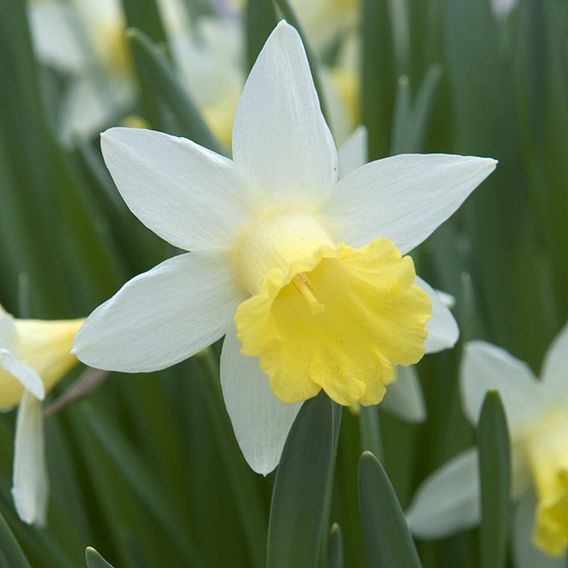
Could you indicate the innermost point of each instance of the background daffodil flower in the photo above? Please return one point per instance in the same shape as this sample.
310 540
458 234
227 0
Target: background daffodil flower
34 356
537 416
301 272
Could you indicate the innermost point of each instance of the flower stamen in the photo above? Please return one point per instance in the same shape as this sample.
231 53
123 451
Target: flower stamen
305 287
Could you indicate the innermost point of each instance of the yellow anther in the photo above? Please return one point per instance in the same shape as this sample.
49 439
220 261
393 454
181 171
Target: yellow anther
304 286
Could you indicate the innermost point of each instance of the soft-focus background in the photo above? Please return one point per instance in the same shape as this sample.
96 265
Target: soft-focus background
146 469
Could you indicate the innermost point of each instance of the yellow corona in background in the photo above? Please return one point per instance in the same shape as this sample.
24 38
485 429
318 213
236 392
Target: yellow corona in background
34 356
537 416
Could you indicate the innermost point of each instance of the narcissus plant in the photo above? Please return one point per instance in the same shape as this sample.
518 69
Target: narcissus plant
537 415
303 271
34 356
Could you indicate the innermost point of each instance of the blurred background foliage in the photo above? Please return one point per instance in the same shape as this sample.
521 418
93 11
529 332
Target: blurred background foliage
146 469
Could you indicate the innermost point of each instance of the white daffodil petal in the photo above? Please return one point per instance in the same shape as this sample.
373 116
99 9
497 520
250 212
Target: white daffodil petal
404 396
443 331
525 554
404 198
27 376
6 328
55 36
161 317
555 366
448 500
30 487
501 8
280 137
485 367
447 299
191 197
260 421
353 152
92 103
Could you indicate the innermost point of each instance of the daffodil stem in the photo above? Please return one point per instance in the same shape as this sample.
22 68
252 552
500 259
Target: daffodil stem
324 550
371 431
24 310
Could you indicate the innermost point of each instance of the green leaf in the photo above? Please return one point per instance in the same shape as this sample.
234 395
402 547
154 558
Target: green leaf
335 553
498 215
377 76
140 477
301 487
370 430
411 119
386 534
145 16
95 560
158 72
239 474
423 105
260 21
495 480
11 555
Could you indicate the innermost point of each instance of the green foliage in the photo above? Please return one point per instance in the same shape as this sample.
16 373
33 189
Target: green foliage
94 559
161 79
302 481
387 538
495 481
10 552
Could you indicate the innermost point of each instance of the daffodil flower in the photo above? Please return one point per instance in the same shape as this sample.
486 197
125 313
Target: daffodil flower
303 274
537 415
34 355
85 39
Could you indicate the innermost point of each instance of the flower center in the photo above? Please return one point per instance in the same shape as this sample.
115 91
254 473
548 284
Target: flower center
304 286
327 316
274 242
547 455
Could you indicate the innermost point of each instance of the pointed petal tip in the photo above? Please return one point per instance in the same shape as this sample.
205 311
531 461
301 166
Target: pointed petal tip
284 30
283 25
39 392
265 469
487 164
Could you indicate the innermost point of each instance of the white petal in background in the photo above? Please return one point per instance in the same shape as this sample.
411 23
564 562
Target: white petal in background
55 36
30 480
485 367
404 396
442 328
23 373
191 197
92 103
555 366
448 500
353 152
525 554
163 316
280 138
404 198
6 328
501 8
260 421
